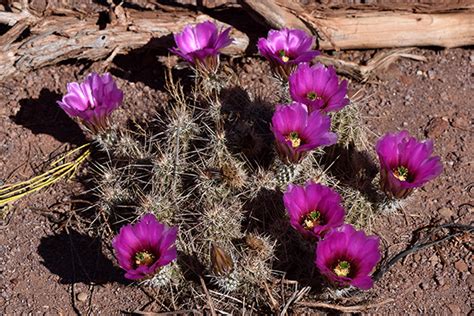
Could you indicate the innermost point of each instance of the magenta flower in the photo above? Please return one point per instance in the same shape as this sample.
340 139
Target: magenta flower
405 163
285 49
318 88
200 45
92 100
297 131
347 257
313 209
142 249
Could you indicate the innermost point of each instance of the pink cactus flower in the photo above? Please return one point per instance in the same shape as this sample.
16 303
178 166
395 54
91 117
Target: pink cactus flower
405 163
348 257
313 209
93 100
200 45
143 248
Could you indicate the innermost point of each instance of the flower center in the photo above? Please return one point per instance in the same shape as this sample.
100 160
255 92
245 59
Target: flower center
294 138
144 258
311 219
311 96
342 269
283 56
401 173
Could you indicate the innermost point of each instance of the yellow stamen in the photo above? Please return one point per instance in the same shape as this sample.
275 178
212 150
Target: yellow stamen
283 56
342 269
294 138
311 220
144 258
401 173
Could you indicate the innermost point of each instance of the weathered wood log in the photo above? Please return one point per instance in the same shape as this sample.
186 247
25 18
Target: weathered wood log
274 14
57 38
356 29
387 29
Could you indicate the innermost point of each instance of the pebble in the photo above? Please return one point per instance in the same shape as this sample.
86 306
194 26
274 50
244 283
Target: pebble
440 280
461 122
461 266
436 127
446 212
81 296
470 282
444 96
431 74
434 259
455 309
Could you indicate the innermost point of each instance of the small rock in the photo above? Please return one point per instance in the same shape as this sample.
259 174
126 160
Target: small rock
440 280
81 296
470 282
461 122
455 309
472 59
461 266
247 68
434 259
431 74
425 285
419 73
444 96
436 127
446 212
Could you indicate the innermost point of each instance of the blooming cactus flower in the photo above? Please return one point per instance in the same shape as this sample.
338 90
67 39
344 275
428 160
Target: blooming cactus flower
318 88
297 131
285 49
313 208
92 100
142 249
405 163
200 45
347 257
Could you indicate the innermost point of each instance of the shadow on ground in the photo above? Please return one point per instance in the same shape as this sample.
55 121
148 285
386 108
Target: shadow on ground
44 116
76 257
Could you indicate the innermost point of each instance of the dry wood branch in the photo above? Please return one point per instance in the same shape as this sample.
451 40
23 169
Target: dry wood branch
363 73
57 38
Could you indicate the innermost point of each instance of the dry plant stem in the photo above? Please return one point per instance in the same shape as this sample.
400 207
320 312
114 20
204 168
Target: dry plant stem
179 312
345 309
209 298
57 38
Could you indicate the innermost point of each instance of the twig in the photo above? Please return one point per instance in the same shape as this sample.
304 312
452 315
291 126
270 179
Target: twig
294 299
345 309
183 311
422 244
209 298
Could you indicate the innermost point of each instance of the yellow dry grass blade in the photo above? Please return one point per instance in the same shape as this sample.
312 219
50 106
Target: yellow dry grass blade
61 169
